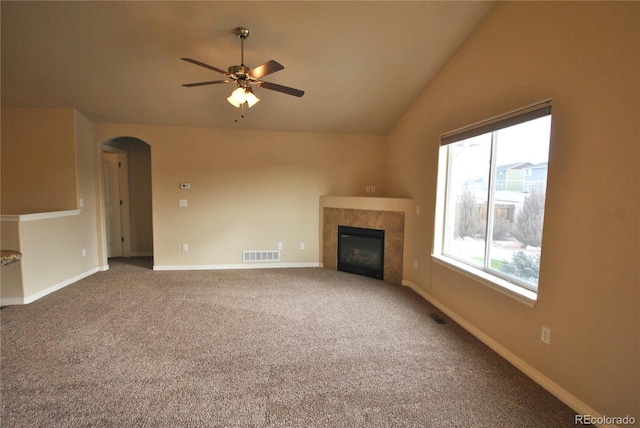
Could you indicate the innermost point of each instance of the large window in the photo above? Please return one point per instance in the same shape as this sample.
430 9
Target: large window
492 186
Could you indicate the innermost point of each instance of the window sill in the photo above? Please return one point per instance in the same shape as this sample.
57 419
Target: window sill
516 292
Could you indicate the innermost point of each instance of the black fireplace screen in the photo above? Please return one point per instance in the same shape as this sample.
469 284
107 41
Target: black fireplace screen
361 251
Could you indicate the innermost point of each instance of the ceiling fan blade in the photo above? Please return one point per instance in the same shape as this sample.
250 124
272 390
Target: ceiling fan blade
280 88
266 68
213 82
202 64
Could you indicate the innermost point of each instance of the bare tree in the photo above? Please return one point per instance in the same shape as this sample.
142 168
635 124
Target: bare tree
528 228
467 215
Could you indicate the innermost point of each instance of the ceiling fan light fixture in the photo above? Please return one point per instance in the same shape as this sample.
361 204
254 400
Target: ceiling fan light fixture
238 97
241 96
251 98
233 102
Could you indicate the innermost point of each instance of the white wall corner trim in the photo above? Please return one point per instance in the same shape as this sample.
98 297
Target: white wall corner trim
237 266
562 394
33 297
39 216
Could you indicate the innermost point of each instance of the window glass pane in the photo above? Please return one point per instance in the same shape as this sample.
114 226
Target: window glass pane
518 201
467 198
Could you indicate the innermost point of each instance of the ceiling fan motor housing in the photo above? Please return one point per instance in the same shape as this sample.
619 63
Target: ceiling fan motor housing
240 71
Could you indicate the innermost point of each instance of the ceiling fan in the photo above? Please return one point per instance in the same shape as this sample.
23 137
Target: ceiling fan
245 77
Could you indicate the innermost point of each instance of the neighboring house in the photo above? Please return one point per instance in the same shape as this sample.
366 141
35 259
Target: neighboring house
514 177
511 177
535 176
513 182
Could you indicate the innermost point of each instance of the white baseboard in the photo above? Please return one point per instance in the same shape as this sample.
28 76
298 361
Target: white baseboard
562 394
35 296
237 266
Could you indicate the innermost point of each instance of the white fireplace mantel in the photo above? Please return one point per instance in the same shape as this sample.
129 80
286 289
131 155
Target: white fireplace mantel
367 203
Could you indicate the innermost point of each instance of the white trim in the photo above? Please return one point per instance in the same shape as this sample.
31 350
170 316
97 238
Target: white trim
33 297
39 216
237 266
500 285
562 394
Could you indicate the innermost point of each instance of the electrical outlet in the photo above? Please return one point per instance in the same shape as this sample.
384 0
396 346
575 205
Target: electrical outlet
84 252
415 264
373 189
182 203
368 189
279 245
185 247
545 335
302 245
417 209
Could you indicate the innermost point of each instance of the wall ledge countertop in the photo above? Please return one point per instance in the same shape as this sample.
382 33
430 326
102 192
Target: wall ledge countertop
9 256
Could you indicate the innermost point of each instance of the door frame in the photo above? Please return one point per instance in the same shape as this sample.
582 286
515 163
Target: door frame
125 210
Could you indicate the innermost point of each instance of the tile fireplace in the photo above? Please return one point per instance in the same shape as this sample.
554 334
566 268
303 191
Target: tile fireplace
391 223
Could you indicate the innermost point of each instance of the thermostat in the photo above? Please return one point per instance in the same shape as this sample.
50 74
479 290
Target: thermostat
185 186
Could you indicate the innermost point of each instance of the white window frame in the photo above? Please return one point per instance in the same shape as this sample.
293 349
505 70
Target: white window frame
503 284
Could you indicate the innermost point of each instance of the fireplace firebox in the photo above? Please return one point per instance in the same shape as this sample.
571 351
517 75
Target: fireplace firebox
361 251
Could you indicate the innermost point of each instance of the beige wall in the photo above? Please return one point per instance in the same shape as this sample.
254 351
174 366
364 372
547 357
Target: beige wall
51 243
42 141
585 56
249 189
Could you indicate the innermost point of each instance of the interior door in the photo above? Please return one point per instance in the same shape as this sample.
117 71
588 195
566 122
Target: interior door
112 201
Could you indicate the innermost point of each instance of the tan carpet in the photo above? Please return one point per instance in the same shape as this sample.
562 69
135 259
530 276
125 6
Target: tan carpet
131 347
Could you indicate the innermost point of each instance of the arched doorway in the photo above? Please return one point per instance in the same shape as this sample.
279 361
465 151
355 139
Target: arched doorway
126 184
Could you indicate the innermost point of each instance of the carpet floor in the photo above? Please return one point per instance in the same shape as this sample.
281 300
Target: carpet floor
309 347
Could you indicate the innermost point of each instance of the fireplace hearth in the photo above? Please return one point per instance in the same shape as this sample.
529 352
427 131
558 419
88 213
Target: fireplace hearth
361 251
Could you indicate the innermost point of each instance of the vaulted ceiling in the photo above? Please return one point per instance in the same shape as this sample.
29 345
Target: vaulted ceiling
361 64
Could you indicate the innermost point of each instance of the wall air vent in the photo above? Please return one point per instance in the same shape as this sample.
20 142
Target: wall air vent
261 256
